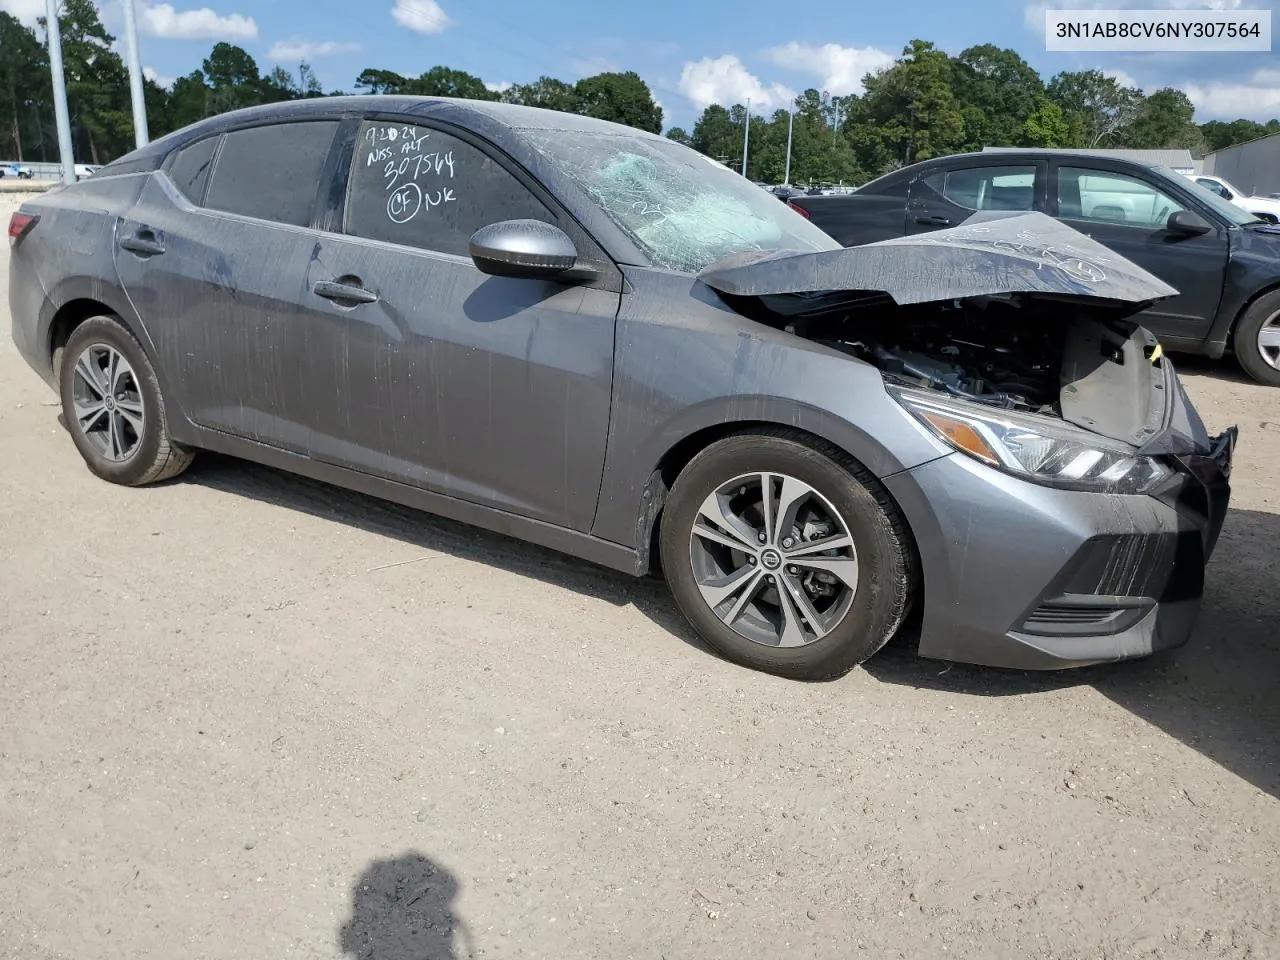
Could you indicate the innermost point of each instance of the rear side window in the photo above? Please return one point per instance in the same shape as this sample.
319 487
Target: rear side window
419 187
190 167
271 173
987 188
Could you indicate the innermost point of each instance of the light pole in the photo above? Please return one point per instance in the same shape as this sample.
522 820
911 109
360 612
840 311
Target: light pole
60 112
746 137
140 134
791 117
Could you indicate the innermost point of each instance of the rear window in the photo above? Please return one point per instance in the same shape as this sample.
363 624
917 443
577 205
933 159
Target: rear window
271 173
189 169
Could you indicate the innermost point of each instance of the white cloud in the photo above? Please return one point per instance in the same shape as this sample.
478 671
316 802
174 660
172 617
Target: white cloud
157 78
502 86
590 66
307 50
1257 98
162 20
24 10
1122 78
422 16
841 69
726 81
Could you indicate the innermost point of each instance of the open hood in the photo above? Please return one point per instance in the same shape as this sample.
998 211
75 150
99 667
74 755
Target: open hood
991 253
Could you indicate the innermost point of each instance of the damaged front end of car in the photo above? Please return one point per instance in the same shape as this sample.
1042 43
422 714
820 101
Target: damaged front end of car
1013 339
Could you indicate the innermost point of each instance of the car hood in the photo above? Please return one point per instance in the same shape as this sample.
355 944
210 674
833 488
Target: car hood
989 254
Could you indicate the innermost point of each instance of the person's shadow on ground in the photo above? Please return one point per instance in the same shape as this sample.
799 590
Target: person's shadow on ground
401 909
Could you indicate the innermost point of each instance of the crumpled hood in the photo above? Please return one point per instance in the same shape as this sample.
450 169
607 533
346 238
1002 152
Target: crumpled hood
990 253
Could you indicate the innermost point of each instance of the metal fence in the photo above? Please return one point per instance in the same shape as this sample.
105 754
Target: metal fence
1254 167
39 171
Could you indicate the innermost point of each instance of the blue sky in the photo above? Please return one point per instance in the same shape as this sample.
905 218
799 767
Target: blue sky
691 52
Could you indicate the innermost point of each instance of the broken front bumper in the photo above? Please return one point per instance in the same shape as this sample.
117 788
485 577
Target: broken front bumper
1032 577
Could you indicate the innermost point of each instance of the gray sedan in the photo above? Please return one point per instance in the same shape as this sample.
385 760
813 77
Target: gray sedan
601 341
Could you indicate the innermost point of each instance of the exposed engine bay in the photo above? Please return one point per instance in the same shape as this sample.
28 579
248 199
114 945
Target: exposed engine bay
1004 351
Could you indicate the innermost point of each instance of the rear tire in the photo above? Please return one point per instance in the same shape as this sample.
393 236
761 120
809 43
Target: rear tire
1256 341
112 406
786 620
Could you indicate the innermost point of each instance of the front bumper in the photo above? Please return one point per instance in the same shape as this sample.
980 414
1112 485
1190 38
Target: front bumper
1031 577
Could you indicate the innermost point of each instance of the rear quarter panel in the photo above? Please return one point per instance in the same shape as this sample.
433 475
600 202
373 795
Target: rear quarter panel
857 218
69 255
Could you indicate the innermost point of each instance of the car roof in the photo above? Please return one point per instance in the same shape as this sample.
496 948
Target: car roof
457 109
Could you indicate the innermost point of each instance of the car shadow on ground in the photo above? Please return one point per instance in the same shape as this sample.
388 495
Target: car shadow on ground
402 909
647 594
1225 368
1220 694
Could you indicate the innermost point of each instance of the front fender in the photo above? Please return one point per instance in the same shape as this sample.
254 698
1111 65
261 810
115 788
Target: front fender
706 371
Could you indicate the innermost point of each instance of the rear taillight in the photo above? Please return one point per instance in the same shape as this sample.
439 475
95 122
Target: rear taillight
799 209
20 225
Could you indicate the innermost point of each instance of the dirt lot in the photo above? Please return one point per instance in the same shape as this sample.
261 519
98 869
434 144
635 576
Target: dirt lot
243 715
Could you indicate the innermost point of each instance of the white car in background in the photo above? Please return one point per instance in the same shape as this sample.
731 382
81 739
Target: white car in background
86 170
1265 208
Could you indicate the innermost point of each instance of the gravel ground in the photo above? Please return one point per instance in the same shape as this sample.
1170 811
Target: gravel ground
244 715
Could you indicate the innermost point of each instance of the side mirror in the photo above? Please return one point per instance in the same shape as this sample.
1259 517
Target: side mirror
526 249
1188 223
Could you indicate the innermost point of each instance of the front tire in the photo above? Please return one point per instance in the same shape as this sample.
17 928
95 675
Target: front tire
1256 341
786 556
112 406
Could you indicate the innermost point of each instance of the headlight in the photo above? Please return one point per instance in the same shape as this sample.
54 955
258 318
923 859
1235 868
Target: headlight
1034 447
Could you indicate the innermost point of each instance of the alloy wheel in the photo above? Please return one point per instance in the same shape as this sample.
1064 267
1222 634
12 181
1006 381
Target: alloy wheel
108 402
1269 341
774 560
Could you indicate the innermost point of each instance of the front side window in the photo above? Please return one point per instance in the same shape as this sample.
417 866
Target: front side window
271 173
1112 198
419 187
987 188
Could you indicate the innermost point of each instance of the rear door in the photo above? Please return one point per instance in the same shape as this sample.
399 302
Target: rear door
212 258
948 195
1128 212
490 389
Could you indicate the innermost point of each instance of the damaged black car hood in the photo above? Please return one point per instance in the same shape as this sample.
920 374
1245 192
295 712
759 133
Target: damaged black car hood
991 253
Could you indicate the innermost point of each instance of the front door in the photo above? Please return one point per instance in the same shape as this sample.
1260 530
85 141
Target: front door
1129 214
428 371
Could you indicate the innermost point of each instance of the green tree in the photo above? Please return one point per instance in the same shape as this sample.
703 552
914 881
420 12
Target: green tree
1219 134
910 108
716 134
1096 104
233 79
1046 127
381 81
447 82
679 135
998 91
24 84
546 92
189 100
97 84
621 97
1165 119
